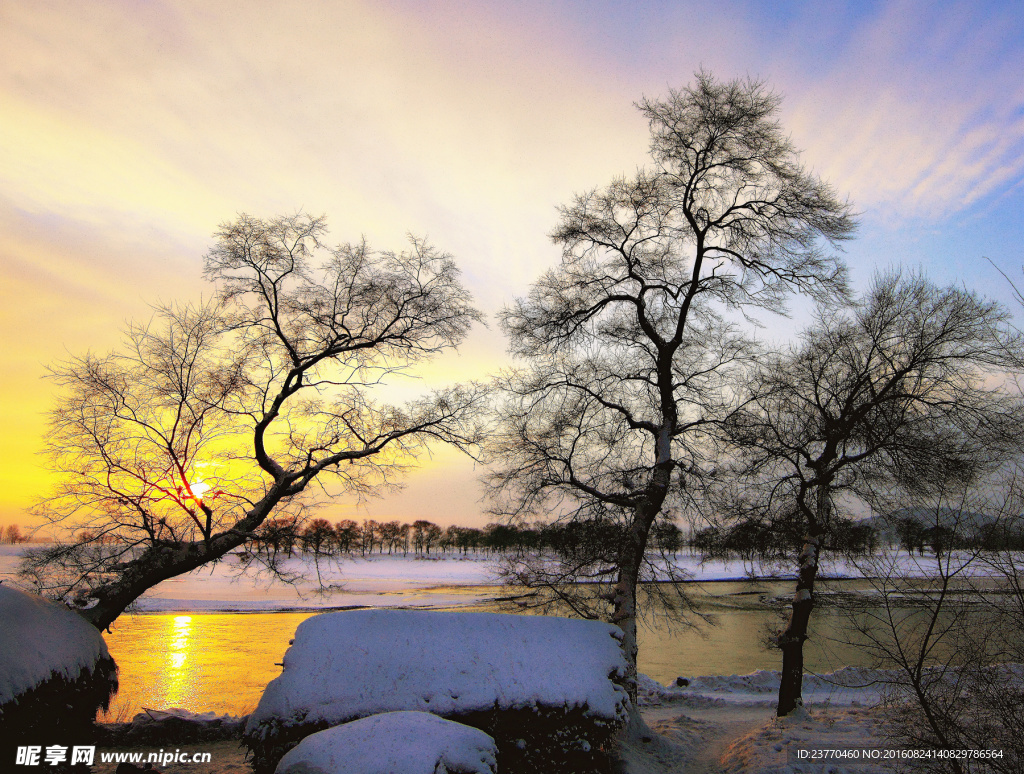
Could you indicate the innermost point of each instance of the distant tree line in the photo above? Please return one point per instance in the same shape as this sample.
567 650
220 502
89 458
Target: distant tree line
916 535
348 537
747 540
575 541
750 540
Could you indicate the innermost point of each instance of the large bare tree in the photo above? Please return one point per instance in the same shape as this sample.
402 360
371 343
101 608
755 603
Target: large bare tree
626 344
903 389
174 449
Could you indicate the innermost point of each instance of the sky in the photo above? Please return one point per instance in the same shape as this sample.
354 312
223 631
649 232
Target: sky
130 130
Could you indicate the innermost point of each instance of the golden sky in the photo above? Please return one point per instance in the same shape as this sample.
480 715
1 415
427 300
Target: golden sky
129 130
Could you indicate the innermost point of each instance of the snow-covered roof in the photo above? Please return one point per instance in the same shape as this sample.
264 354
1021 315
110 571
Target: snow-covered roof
40 639
353 664
394 743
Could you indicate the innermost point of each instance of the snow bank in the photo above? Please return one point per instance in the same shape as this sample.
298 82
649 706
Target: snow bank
853 686
404 581
394 743
40 640
523 679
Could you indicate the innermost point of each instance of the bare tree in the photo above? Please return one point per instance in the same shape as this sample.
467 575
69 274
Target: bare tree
12 534
902 390
425 534
317 537
627 350
176 448
346 535
391 535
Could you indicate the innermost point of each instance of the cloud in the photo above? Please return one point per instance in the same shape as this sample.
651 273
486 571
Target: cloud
920 113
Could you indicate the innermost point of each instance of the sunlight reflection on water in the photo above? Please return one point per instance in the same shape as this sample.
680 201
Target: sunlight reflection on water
200 662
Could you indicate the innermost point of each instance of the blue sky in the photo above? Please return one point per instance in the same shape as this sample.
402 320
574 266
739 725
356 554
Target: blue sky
128 131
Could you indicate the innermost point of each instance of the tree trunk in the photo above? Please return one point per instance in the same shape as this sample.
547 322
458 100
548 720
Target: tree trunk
791 641
624 616
158 562
155 564
630 562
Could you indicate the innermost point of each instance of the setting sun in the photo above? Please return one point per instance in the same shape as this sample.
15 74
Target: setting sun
199 488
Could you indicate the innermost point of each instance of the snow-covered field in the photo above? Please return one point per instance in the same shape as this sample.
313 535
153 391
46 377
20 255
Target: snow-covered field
383 580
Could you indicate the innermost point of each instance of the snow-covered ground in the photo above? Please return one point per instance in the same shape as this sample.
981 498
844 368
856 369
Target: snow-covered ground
378 581
850 686
383 580
725 724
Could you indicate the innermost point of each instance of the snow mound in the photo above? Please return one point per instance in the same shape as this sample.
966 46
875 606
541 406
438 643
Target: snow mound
394 743
353 664
40 640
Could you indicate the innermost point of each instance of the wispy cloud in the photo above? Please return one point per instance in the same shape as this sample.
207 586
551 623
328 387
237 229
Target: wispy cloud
920 113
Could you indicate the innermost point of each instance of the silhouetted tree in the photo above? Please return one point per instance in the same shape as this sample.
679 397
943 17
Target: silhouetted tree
424 535
214 417
275 536
369 536
892 392
12 534
626 348
390 536
346 535
317 537
668 537
910 534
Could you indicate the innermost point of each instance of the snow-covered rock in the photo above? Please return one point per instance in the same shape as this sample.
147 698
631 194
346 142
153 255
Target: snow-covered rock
40 640
394 743
526 680
55 671
357 663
